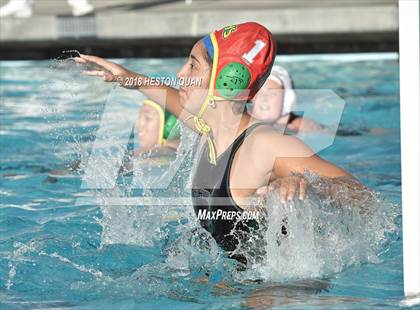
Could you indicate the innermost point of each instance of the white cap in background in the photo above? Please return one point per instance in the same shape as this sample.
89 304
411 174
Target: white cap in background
281 76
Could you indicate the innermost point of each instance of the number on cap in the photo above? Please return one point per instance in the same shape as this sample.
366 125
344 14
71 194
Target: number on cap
258 46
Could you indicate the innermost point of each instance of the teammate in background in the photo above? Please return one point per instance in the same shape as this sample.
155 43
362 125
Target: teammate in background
157 134
275 100
156 129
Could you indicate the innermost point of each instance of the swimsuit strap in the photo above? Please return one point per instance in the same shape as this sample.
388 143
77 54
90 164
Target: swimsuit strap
235 147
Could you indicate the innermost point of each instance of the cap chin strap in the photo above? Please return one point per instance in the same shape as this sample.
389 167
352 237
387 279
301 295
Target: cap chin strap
161 113
204 128
200 124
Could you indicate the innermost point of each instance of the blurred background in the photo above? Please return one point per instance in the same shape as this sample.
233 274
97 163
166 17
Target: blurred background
41 29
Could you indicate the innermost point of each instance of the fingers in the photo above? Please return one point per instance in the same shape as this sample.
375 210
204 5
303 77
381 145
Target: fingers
110 66
94 73
283 192
302 189
287 187
80 60
288 191
262 190
95 59
106 76
291 191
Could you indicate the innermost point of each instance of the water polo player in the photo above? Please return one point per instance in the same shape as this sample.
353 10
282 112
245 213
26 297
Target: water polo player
156 128
158 134
274 102
237 160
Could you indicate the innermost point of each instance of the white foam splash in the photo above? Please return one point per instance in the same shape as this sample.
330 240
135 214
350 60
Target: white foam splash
321 239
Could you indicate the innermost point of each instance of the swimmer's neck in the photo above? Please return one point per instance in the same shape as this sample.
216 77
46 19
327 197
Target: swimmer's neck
226 125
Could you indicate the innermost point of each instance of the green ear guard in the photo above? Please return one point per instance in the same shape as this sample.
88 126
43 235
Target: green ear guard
171 129
232 79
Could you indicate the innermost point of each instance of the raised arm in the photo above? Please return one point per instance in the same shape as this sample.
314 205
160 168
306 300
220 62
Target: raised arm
164 95
289 161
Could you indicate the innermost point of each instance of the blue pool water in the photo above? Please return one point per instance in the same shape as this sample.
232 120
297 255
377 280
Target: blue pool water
59 252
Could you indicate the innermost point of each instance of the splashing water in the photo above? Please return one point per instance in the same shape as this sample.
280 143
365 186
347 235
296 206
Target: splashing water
137 254
322 239
314 227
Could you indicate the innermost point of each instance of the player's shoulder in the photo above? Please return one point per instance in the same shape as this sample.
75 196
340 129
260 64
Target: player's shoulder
267 133
266 137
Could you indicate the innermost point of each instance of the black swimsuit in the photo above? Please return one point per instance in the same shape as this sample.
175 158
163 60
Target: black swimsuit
211 182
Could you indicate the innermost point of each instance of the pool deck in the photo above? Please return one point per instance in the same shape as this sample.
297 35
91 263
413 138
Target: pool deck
160 28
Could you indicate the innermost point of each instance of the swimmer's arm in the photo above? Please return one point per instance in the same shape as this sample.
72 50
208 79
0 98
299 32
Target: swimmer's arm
164 95
289 159
282 155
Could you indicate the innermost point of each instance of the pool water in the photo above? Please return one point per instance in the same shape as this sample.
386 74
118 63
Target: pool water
60 250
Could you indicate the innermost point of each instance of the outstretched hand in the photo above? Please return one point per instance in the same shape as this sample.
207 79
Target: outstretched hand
288 188
109 71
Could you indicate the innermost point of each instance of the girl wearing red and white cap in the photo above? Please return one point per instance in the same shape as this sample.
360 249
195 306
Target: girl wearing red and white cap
238 159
